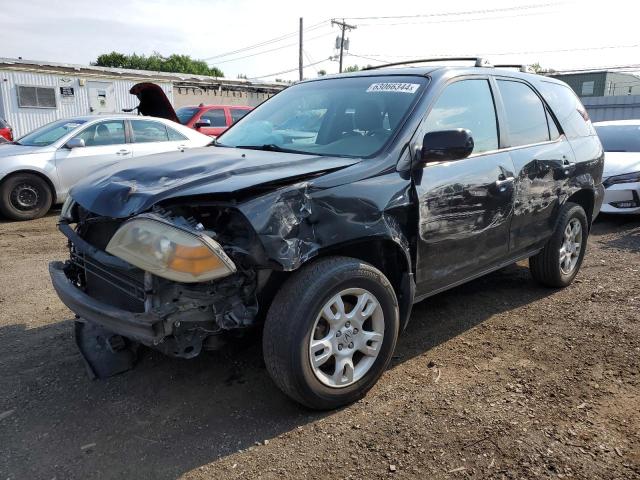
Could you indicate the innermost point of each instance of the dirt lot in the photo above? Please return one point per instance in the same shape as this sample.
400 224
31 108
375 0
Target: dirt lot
496 379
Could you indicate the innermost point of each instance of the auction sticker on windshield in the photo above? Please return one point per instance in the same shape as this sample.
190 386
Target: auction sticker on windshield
394 87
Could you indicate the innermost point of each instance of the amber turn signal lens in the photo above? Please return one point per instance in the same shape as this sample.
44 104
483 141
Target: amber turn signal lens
194 260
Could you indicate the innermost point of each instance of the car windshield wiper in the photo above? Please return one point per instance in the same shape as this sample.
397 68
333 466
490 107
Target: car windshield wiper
272 147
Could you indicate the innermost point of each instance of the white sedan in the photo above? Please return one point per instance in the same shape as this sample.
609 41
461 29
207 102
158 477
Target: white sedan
621 177
38 169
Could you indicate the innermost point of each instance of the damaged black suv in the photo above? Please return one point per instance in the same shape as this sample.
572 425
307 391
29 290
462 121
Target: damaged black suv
323 215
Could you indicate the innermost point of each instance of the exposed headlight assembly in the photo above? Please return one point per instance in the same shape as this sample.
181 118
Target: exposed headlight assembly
169 251
626 178
66 214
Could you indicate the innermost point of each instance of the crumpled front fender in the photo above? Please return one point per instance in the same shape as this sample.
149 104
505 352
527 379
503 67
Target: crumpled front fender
300 221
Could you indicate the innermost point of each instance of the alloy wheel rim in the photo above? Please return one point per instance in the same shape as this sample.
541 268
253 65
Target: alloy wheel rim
346 337
571 246
25 196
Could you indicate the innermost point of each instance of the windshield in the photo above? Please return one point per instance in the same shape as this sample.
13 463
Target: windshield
619 138
49 133
352 117
186 113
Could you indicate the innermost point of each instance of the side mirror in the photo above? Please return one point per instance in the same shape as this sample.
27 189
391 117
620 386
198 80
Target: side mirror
75 143
203 123
446 145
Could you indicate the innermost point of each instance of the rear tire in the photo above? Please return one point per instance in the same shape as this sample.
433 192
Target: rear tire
25 196
324 364
558 263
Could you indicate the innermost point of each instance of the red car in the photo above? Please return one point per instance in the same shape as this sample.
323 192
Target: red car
211 120
6 131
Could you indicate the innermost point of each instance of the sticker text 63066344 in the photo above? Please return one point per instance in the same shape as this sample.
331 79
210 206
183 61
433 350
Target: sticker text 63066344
394 87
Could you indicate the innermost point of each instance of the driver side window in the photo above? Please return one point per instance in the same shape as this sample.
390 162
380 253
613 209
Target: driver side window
467 104
103 133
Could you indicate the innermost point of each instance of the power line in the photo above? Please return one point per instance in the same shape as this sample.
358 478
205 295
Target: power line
311 62
530 52
464 12
288 71
288 45
455 20
592 69
368 58
266 42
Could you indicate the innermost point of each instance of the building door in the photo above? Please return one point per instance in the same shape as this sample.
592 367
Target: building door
101 97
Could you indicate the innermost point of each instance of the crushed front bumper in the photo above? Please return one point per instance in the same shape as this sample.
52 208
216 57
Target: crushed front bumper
147 327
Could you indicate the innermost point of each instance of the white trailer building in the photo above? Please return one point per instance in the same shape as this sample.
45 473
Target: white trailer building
33 93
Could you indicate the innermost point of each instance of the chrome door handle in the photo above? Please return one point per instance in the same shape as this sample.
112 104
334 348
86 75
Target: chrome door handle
123 152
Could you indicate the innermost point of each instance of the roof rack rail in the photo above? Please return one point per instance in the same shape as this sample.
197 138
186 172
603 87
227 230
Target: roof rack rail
479 62
520 66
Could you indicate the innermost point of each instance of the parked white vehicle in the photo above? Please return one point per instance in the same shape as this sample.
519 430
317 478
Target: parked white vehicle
621 177
38 169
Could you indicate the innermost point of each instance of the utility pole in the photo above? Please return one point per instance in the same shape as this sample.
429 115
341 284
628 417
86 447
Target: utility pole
300 52
344 28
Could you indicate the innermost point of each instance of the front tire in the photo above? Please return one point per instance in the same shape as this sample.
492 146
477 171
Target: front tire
25 196
330 332
558 263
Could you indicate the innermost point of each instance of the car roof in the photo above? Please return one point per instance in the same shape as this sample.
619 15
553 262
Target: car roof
616 122
431 70
115 116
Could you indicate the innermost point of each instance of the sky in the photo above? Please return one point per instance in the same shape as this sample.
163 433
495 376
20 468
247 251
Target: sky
558 34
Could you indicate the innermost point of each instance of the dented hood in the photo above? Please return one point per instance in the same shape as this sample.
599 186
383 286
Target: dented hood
132 187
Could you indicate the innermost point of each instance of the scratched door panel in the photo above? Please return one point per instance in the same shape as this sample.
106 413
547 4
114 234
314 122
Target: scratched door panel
464 218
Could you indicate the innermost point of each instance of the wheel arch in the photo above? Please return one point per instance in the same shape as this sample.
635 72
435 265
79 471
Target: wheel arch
388 256
584 197
37 173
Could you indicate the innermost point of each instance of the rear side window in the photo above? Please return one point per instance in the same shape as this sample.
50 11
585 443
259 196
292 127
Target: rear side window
175 136
237 114
619 138
467 104
568 109
526 116
147 132
216 117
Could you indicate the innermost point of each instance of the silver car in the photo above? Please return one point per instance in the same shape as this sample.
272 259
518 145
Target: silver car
37 170
621 142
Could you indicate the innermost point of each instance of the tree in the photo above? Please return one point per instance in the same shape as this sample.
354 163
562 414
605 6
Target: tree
322 73
156 62
355 68
535 67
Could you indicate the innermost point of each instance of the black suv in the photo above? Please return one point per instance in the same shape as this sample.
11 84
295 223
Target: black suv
322 216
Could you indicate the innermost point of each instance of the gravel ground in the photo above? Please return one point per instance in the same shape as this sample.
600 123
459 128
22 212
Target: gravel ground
499 378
